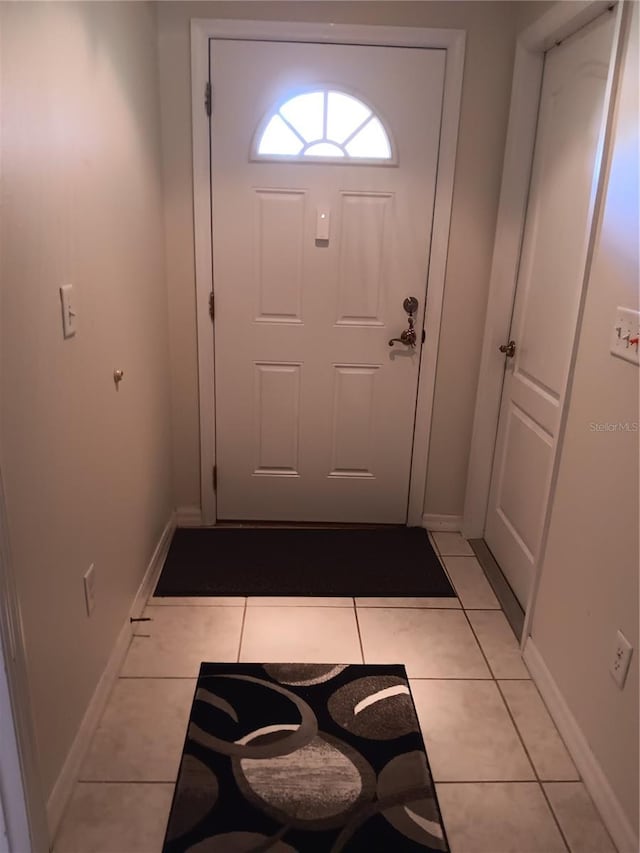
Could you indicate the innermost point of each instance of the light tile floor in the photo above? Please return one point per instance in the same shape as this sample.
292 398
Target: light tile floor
505 781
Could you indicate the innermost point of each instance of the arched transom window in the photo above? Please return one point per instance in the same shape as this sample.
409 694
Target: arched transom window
323 124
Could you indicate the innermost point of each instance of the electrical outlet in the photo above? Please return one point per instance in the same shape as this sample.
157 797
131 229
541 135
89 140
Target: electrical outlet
90 588
621 660
624 336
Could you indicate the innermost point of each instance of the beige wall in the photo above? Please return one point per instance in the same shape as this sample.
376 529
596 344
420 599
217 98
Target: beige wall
489 58
589 586
528 12
86 467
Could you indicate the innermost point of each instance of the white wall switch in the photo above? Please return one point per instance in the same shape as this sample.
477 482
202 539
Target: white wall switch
90 588
624 337
621 659
68 311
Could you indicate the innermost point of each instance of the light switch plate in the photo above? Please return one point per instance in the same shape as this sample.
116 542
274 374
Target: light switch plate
625 328
68 311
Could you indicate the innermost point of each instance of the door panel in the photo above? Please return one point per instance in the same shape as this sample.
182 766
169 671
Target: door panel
363 271
277 408
314 409
548 296
278 247
353 411
527 455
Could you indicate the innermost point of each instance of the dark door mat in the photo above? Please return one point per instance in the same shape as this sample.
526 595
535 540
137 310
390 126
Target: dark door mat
304 757
395 561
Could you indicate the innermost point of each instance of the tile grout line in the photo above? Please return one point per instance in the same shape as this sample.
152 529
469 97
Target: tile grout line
442 557
531 681
479 642
387 606
126 781
489 782
555 817
520 737
477 639
406 607
355 611
537 779
546 708
244 617
535 769
504 701
444 569
451 678
158 677
207 606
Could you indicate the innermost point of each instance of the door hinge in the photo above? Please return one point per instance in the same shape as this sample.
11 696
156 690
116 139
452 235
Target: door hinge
207 98
212 308
215 478
424 336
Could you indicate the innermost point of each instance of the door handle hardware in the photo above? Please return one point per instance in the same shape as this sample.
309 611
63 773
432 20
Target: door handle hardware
408 337
508 349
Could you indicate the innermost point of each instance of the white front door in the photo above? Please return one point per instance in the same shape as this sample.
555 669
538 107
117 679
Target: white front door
552 267
322 214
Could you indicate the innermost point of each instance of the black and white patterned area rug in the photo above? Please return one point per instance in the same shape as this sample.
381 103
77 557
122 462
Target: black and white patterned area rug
304 758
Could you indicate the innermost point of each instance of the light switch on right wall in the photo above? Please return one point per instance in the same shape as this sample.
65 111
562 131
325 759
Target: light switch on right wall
624 337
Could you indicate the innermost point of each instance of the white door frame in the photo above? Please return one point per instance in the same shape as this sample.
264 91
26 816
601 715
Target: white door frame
21 794
558 23
453 42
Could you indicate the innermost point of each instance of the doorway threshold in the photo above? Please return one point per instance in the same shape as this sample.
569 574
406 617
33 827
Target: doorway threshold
303 525
509 603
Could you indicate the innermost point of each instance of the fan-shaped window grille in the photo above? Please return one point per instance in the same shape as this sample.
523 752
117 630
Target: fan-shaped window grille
323 125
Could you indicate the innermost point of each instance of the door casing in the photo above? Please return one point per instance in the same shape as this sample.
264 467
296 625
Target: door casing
450 40
558 23
23 800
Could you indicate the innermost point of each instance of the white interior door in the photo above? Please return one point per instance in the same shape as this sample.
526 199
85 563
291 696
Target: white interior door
548 295
315 247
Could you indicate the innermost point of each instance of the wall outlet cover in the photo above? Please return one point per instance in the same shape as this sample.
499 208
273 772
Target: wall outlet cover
621 659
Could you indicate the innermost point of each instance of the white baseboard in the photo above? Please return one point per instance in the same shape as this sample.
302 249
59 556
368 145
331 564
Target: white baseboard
188 516
65 782
442 522
593 776
154 568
